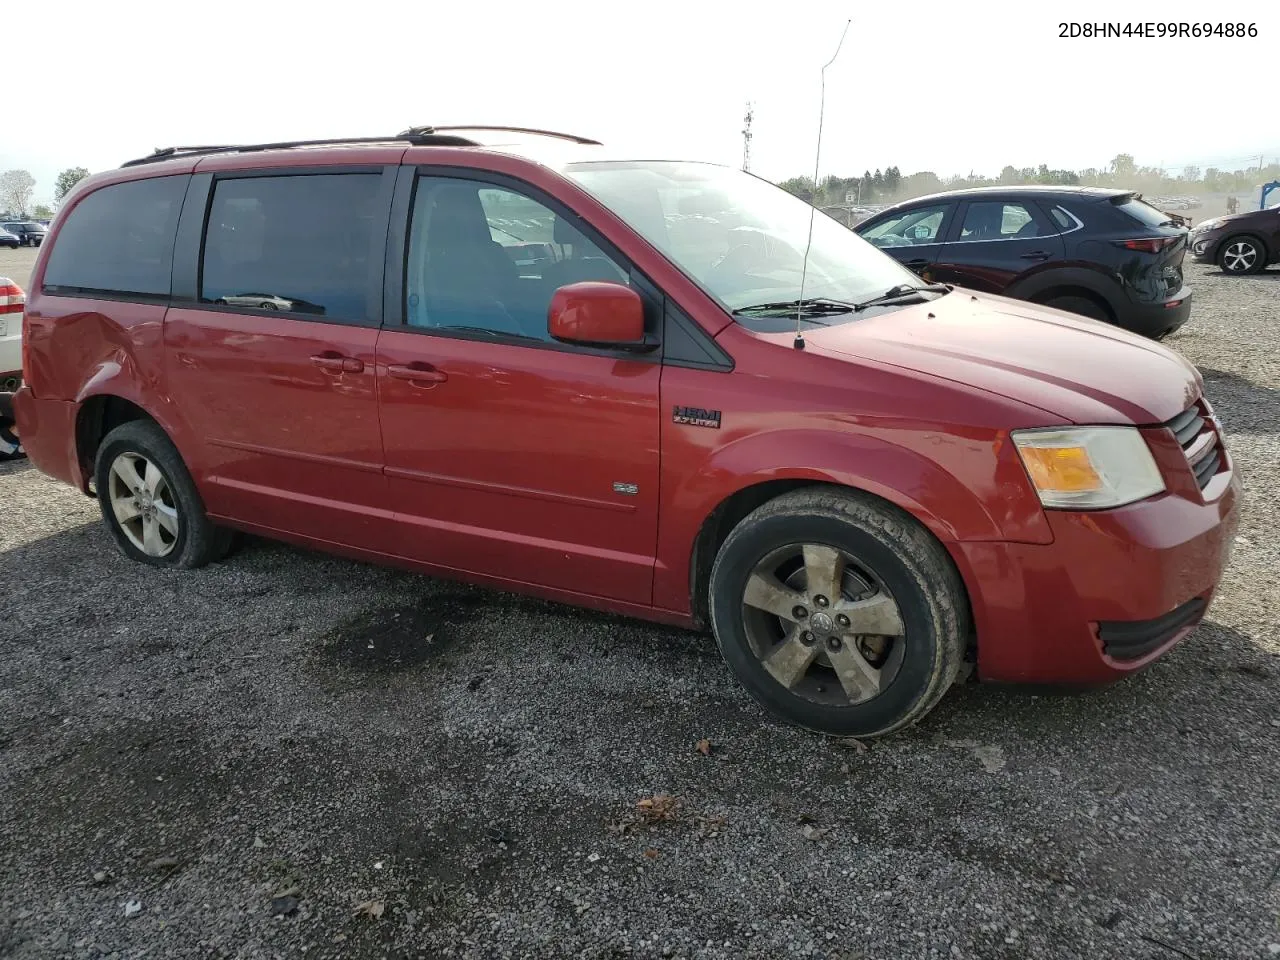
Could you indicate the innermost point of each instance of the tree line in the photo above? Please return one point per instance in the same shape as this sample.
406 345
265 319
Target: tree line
889 185
18 186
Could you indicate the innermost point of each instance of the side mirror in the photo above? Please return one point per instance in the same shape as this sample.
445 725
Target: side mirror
599 314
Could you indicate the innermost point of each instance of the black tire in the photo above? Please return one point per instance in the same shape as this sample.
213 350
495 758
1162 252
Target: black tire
1242 255
913 568
198 541
10 445
1083 306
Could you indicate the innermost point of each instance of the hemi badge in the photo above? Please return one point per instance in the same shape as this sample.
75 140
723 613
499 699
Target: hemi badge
697 417
630 489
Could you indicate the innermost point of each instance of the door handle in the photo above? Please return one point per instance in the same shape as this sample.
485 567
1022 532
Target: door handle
416 372
338 363
1036 255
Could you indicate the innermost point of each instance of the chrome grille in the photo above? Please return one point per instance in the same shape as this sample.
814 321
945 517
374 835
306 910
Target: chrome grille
1199 441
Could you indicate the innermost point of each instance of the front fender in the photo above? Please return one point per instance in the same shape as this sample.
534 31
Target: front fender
966 488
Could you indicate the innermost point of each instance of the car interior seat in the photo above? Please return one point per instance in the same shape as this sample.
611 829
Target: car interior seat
467 278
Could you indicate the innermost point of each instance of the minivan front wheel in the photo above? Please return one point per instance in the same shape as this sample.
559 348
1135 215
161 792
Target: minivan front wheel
1241 255
838 613
149 501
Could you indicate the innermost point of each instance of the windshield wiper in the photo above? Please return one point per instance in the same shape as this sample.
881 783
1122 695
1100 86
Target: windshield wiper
901 292
812 306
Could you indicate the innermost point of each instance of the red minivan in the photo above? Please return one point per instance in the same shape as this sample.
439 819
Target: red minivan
655 387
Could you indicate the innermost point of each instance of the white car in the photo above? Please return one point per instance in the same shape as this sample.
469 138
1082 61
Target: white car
12 301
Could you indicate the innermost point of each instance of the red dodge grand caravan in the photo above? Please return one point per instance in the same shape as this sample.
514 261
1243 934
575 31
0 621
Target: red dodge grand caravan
621 383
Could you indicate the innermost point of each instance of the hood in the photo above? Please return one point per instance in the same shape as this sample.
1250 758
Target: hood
1082 370
1225 218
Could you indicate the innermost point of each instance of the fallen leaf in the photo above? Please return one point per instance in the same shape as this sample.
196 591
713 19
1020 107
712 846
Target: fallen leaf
704 747
592 857
133 908
283 906
660 806
370 908
100 876
651 853
258 843
814 833
163 863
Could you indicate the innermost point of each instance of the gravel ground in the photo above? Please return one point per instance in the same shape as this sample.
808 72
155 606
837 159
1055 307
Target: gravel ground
17 264
287 754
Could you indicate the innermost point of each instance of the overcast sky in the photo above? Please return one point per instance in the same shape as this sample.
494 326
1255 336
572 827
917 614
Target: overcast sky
967 85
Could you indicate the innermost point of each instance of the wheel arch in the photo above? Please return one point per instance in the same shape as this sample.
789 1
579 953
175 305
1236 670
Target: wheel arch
100 408
738 505
874 469
1069 281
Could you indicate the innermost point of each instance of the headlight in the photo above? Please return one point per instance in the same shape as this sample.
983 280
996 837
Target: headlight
1204 225
1088 468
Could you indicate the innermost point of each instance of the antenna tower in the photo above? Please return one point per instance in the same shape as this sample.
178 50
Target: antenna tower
746 136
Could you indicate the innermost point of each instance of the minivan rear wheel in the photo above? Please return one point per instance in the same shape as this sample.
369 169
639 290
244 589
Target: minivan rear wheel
838 612
150 503
1242 255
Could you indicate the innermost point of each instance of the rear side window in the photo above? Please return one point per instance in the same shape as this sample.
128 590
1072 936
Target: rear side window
1061 218
1144 213
119 239
300 244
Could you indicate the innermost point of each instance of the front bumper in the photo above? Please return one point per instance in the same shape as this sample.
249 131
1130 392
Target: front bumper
1116 590
1204 248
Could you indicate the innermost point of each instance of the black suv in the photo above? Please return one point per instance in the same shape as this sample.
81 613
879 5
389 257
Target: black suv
28 232
1102 253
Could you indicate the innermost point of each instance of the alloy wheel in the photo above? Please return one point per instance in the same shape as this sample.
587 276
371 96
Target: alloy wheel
144 504
1239 257
822 624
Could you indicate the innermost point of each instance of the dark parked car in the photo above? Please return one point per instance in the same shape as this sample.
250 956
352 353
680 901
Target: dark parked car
8 239
28 232
1239 243
1102 253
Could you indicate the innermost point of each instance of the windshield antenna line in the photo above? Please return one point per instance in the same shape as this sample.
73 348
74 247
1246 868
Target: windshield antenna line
804 267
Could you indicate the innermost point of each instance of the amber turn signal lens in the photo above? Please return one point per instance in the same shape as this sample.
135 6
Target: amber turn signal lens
1061 469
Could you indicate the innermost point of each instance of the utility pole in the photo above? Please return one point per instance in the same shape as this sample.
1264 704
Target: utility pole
746 137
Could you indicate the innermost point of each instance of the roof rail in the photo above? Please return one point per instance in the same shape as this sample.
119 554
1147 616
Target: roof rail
499 129
417 136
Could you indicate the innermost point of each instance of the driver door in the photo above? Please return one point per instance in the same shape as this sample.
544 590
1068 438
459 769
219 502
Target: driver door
912 237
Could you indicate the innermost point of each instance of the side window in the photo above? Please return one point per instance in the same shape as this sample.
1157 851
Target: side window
119 239
301 244
917 226
996 220
1061 219
488 259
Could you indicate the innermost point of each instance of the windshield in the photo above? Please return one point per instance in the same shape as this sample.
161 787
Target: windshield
740 238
